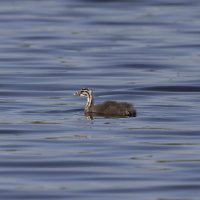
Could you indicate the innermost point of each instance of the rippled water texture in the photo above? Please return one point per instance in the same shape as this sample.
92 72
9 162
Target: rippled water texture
144 52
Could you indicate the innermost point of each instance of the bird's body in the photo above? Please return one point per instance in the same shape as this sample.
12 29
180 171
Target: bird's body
108 108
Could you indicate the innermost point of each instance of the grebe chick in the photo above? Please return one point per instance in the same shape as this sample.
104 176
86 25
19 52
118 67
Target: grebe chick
108 108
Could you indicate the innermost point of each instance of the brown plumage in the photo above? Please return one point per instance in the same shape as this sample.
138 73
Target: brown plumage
108 108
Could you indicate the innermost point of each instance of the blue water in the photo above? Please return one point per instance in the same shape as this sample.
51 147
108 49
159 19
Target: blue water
143 52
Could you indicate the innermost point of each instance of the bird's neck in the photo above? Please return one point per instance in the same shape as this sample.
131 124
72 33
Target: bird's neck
89 104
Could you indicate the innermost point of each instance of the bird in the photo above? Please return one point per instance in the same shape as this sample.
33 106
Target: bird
108 108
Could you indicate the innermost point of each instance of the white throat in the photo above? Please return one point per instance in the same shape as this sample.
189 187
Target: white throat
89 103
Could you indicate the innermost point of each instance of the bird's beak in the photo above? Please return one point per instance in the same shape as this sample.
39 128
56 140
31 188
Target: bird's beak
77 93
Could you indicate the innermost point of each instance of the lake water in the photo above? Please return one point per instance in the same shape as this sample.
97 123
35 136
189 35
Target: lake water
144 52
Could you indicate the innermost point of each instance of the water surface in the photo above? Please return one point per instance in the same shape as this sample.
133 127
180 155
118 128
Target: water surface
143 52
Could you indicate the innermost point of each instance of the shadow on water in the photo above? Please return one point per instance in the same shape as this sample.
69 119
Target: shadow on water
92 116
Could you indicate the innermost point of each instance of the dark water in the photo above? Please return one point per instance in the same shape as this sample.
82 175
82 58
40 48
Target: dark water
143 52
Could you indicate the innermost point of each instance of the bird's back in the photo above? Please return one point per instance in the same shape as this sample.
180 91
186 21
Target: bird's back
113 108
